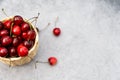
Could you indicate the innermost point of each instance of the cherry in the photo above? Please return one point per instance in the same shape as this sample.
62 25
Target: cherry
17 20
16 30
31 35
20 39
15 41
24 35
28 44
1 25
25 26
4 32
22 51
12 52
3 52
7 23
6 40
52 61
56 31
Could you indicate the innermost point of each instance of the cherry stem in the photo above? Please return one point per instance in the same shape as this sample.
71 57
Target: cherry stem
4 12
11 29
57 18
37 30
45 27
35 19
31 18
38 62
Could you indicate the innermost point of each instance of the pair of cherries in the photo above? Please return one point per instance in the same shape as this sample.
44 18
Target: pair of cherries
53 60
16 37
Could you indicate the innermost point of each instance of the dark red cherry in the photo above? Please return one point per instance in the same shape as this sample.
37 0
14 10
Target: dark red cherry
24 35
20 39
12 52
17 20
7 23
22 51
3 52
6 40
28 44
15 41
31 35
16 30
1 25
4 32
56 31
25 27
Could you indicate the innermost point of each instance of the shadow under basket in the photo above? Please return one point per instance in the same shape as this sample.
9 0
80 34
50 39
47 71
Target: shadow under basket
23 60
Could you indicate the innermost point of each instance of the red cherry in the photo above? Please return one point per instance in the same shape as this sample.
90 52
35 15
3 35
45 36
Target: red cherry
28 44
25 26
7 23
1 25
31 35
3 52
12 52
22 51
16 30
56 31
52 61
15 41
18 20
4 32
24 35
6 40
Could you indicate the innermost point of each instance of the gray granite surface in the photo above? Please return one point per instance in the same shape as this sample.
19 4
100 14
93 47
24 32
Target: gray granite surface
87 49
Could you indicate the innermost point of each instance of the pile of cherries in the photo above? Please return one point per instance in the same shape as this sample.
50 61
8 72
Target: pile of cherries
17 37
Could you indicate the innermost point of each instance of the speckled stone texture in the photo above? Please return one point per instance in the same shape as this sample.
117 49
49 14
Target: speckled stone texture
87 49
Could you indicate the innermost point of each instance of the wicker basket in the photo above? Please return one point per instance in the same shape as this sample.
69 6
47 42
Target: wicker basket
22 60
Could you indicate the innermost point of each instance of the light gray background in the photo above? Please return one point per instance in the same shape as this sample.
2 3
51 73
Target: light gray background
87 49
